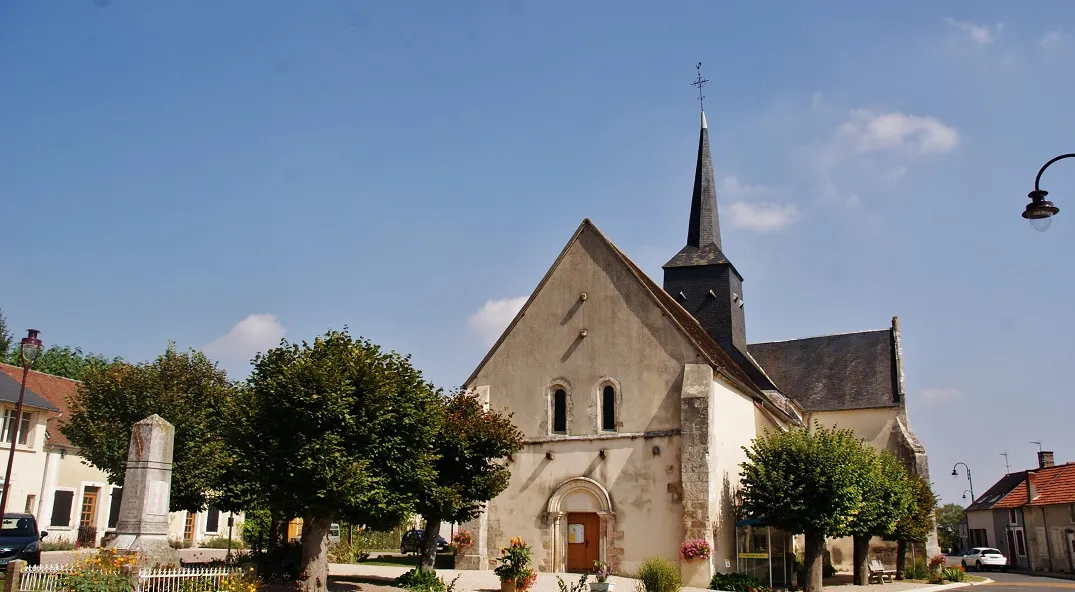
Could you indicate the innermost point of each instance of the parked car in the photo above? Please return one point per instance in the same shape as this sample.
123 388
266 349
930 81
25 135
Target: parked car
334 533
19 539
412 542
980 558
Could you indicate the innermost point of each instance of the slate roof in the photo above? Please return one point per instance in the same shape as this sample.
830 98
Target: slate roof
53 390
1054 485
834 372
994 494
9 393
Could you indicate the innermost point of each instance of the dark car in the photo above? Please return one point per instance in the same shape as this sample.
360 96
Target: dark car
19 539
412 542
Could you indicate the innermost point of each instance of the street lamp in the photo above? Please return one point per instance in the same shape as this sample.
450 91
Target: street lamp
1040 211
955 473
965 495
29 349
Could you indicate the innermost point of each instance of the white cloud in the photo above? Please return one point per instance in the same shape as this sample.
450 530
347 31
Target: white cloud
733 188
255 333
872 132
980 34
940 395
494 317
1052 37
763 217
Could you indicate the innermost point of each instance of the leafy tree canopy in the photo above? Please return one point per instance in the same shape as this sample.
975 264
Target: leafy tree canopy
916 524
886 494
949 517
185 388
65 361
803 480
335 429
6 337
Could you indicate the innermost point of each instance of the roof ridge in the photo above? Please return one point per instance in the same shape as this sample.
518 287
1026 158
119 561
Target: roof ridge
42 373
821 336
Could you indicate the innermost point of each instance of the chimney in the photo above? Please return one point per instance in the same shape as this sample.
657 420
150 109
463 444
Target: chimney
1045 459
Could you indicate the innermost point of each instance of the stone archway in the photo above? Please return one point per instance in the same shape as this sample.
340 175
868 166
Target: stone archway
579 495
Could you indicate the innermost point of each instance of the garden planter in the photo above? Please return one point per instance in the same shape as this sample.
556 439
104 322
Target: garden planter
507 585
601 586
696 573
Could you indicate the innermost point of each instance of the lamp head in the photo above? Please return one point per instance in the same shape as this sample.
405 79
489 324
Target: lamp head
1040 211
30 347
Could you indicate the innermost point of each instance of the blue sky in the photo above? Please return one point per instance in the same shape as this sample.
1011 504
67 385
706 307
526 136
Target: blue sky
222 174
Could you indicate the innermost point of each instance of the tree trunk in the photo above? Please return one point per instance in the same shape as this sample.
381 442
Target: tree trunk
429 544
313 574
901 558
814 561
862 560
274 531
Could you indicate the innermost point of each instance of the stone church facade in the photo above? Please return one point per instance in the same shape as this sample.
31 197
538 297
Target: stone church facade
636 399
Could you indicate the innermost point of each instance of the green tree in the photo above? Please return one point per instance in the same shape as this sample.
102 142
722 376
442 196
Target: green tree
949 517
886 496
469 446
805 481
6 337
185 388
916 524
337 429
65 361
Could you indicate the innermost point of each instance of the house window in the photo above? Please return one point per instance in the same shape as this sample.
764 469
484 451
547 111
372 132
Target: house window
114 505
9 427
212 520
1020 543
31 500
61 508
608 408
559 411
1011 517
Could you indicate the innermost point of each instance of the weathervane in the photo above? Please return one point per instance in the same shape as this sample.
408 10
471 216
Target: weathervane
700 82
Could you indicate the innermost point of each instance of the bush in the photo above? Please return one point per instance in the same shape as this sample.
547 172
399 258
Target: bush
374 540
918 571
222 543
424 581
60 545
256 525
178 544
937 562
100 572
342 552
579 586
737 582
280 564
694 549
658 574
954 574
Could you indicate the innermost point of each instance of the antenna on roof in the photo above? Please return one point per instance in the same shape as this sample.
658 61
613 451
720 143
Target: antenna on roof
1007 467
1038 443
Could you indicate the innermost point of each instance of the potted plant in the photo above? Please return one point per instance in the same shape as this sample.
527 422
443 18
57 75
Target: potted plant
514 571
694 550
601 572
462 541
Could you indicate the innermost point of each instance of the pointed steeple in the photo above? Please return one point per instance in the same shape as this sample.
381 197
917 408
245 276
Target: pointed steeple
704 226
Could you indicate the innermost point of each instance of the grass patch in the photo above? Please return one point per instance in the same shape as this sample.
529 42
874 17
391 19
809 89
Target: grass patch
444 561
975 579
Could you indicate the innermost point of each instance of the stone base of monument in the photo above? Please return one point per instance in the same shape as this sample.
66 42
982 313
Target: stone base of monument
152 550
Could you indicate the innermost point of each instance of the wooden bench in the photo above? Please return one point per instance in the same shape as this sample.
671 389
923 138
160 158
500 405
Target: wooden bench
879 573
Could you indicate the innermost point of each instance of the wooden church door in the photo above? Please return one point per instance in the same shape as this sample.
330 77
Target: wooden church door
583 541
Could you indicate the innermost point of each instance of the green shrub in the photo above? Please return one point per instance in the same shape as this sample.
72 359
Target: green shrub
737 582
222 543
424 581
280 565
918 571
579 586
374 540
256 525
60 545
657 574
954 574
178 544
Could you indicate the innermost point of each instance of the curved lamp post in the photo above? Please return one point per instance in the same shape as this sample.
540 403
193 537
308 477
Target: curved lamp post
955 473
1040 211
965 492
29 349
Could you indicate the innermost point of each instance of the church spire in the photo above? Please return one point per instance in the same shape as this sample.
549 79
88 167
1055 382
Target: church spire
704 226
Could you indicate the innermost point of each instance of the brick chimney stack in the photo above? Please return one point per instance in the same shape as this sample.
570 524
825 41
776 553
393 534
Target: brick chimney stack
1045 459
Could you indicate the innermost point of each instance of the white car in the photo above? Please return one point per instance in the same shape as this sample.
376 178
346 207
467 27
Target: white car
980 558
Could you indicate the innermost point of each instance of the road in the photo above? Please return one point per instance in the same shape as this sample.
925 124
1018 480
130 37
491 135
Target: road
1010 582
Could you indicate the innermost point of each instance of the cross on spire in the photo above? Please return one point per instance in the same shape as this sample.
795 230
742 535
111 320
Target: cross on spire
700 82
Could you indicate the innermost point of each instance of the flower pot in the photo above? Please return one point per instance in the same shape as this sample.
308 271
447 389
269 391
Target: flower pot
507 585
601 586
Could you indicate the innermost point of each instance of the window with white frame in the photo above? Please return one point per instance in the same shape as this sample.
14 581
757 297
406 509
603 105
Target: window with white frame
7 432
1011 517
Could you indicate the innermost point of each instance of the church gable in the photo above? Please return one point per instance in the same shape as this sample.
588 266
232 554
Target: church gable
594 323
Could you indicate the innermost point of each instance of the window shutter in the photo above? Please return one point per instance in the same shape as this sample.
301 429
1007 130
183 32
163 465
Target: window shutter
61 508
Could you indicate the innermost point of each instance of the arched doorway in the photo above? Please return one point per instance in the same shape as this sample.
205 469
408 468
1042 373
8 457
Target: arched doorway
581 514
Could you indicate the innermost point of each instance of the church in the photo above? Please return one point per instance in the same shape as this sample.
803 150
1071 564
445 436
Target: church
636 399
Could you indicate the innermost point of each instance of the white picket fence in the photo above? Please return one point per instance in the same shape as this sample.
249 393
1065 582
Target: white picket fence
49 578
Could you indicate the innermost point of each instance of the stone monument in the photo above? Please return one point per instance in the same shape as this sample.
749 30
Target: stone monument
147 487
